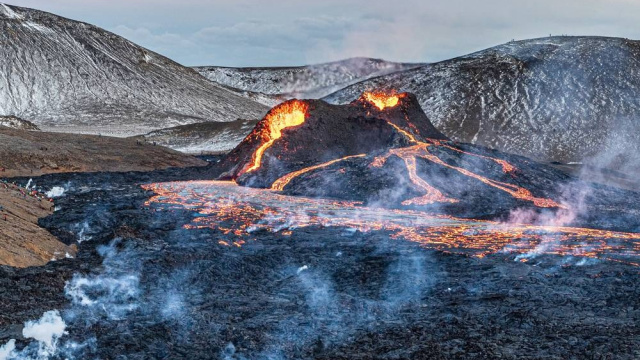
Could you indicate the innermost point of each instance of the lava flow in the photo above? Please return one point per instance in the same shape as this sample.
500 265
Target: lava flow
239 211
289 114
279 184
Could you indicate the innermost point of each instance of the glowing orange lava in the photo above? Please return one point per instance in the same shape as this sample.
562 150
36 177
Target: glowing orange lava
239 211
279 184
506 166
289 114
381 100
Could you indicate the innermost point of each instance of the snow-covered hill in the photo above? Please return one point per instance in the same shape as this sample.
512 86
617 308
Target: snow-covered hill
202 137
560 98
273 85
66 75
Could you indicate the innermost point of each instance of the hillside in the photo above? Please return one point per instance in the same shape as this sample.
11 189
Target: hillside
17 123
72 76
33 153
22 242
567 99
202 137
276 84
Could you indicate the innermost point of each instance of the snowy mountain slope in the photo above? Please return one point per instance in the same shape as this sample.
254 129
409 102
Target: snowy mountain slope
558 98
273 85
202 137
64 74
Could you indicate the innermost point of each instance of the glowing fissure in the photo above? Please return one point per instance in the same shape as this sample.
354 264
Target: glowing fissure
238 212
279 184
507 168
289 114
432 195
294 112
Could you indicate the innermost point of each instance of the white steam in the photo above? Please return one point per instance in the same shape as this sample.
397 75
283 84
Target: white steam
7 349
55 192
46 331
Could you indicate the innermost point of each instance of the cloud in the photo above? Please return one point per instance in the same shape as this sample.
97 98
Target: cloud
290 32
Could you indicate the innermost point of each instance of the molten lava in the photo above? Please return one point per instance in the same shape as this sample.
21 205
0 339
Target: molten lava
289 114
382 100
279 184
237 212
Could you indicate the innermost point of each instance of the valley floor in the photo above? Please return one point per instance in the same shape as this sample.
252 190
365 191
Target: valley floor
143 286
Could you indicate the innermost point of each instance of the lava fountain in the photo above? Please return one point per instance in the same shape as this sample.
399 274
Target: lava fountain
288 114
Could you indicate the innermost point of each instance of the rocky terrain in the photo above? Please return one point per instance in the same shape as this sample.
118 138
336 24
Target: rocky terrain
201 137
17 123
567 99
22 242
363 228
271 86
171 264
143 285
32 153
71 76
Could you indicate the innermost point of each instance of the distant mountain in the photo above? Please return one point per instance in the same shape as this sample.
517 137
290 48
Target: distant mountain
276 84
67 75
566 99
201 137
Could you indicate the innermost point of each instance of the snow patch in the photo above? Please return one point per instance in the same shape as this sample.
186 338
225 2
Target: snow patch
37 27
9 13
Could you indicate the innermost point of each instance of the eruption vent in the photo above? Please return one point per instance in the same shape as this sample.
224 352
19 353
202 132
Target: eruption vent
381 100
289 114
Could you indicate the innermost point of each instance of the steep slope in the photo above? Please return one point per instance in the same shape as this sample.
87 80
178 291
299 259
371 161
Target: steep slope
273 85
73 76
558 98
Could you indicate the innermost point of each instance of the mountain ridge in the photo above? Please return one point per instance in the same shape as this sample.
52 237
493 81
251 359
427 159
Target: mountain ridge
59 72
555 99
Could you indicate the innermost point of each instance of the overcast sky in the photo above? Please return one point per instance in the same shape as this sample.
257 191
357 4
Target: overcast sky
295 32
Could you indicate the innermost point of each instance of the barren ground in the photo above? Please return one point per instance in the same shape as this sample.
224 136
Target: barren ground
22 242
28 153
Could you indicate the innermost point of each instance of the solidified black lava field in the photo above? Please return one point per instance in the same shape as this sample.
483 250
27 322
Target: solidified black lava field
142 286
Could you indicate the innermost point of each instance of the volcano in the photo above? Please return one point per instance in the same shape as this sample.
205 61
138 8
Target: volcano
297 134
382 148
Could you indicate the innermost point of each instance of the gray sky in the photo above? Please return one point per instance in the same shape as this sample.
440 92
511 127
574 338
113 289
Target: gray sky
296 32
